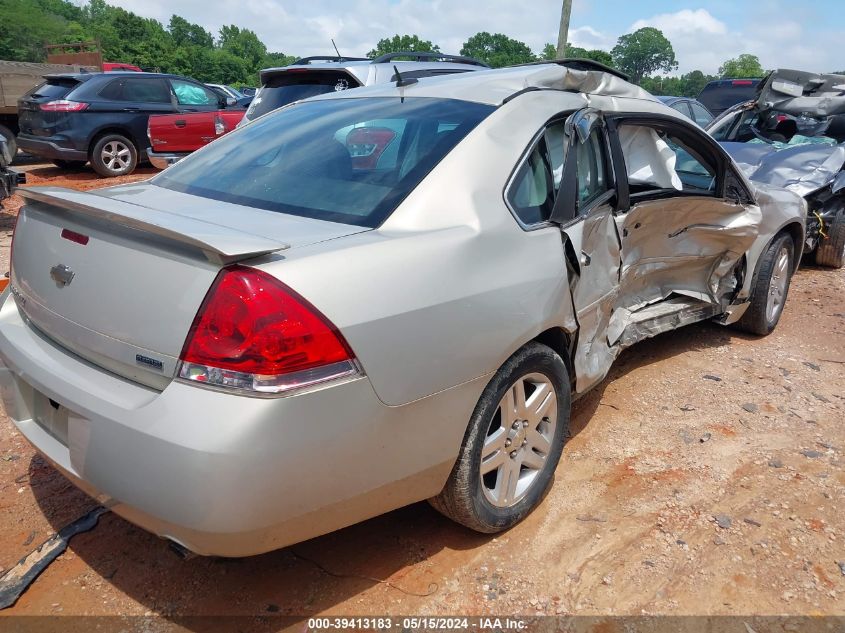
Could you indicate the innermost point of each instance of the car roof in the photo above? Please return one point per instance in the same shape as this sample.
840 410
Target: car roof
496 86
668 100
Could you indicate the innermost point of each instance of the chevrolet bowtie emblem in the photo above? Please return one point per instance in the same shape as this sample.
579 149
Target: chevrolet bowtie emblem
61 274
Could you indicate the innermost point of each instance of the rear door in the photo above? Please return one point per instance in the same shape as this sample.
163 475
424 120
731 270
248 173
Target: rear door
194 97
685 219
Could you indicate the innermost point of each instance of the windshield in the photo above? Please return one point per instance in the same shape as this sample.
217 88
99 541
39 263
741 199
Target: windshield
343 160
295 85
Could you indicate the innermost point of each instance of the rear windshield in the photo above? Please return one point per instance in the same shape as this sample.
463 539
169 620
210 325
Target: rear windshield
296 85
719 97
344 160
54 89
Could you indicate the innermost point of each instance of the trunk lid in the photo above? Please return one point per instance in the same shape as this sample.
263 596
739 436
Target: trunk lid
118 281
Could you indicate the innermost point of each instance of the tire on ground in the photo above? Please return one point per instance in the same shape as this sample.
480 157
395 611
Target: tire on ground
831 250
114 155
757 319
462 499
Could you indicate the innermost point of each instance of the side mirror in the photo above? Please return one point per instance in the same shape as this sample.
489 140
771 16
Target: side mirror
231 102
5 152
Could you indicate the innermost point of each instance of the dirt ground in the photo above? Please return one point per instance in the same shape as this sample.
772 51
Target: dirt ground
706 475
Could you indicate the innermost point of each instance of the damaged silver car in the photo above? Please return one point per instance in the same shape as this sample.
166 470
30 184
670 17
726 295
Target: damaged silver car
793 136
375 297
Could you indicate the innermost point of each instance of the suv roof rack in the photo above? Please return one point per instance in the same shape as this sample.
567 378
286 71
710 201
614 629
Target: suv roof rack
578 63
427 56
328 58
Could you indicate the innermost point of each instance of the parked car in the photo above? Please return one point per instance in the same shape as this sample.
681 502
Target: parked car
690 108
102 117
9 179
227 90
793 136
109 67
719 95
313 76
248 91
174 136
332 343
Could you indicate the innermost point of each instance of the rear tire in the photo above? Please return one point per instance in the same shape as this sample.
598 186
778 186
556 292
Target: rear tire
512 445
831 250
770 289
68 164
114 155
11 141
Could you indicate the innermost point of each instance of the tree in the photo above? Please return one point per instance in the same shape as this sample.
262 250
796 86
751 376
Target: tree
549 52
497 50
597 55
184 33
244 44
399 43
746 65
643 52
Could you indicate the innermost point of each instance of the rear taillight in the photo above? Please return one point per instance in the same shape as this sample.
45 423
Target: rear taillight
254 334
63 105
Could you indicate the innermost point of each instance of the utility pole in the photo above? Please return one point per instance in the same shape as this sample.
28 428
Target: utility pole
565 12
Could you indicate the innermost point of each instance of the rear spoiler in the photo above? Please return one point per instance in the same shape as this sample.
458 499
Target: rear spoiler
223 242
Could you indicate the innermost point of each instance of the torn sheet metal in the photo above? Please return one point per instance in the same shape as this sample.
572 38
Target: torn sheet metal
648 158
798 92
802 169
15 581
555 77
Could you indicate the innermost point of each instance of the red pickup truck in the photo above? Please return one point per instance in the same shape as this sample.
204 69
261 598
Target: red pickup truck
174 136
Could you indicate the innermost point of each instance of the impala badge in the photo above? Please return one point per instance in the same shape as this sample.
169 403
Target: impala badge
62 275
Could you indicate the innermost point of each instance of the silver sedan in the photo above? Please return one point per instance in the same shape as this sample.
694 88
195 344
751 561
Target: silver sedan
374 298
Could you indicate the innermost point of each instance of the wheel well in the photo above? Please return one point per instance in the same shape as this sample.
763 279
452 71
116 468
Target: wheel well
795 231
561 342
113 130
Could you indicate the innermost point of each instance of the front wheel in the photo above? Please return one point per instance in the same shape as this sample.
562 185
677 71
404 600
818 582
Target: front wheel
512 445
114 155
768 294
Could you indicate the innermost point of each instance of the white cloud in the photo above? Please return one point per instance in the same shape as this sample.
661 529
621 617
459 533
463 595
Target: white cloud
704 42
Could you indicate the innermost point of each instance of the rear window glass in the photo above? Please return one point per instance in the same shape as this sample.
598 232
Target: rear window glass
342 160
719 97
294 86
54 89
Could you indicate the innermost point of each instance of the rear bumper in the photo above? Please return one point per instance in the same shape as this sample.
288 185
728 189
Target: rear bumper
222 474
49 149
163 160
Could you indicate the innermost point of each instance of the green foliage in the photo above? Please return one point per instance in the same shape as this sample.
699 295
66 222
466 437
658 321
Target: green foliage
399 43
497 50
644 52
688 85
182 47
549 52
745 65
597 55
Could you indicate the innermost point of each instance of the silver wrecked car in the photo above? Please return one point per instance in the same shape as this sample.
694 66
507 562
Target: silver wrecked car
373 298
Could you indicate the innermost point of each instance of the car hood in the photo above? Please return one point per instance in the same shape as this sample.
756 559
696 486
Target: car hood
802 169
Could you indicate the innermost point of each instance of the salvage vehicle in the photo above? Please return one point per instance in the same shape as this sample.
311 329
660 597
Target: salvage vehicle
720 94
9 179
690 108
793 136
174 136
263 343
318 75
74 118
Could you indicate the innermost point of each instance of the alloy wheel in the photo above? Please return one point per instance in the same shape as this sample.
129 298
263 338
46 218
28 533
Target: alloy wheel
116 156
519 440
777 285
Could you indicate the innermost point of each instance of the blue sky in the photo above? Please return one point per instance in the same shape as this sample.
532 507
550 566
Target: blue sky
704 33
